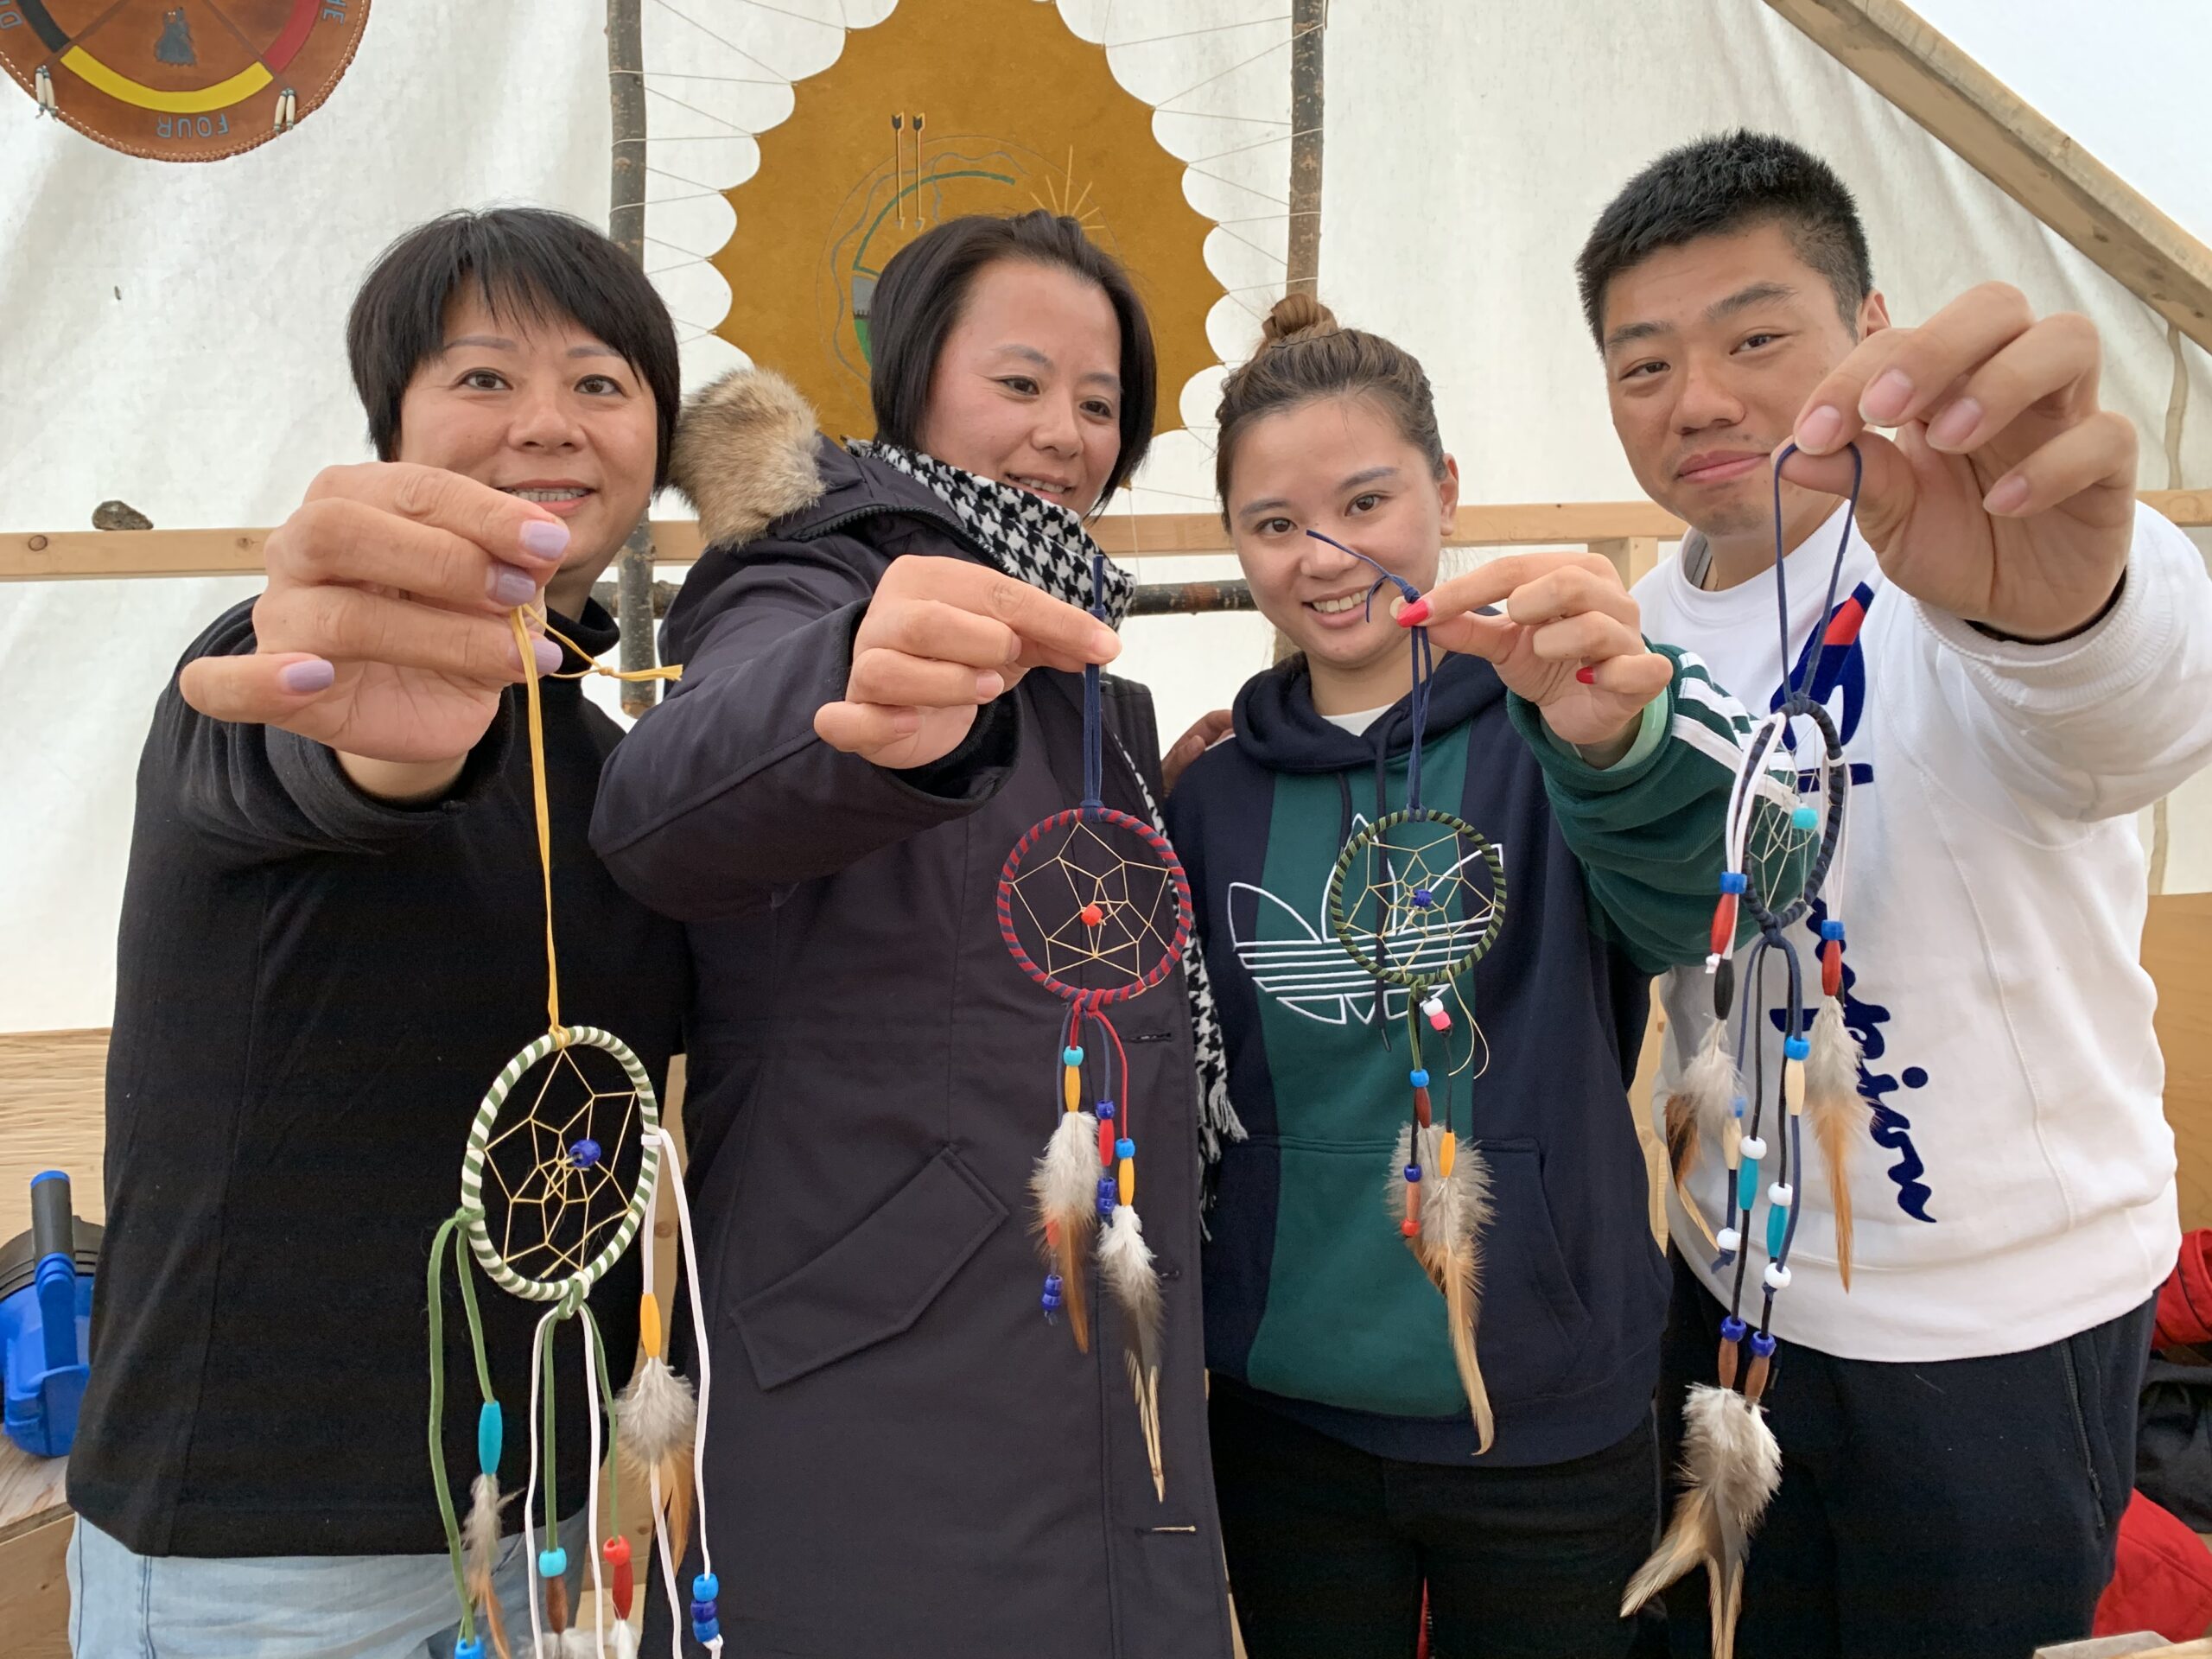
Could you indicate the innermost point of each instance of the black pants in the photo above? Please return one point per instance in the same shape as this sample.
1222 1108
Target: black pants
1953 1510
1329 1546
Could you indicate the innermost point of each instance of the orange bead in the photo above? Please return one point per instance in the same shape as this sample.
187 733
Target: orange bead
1832 968
1724 926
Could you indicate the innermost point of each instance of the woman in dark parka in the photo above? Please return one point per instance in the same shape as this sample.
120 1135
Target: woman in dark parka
882 649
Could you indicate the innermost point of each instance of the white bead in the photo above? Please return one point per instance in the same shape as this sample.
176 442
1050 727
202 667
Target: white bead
1753 1146
1778 1276
1728 1239
1781 1194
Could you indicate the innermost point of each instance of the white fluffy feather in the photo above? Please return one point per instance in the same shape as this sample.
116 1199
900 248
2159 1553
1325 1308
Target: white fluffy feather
1732 1466
1065 1179
1125 1263
581 1642
658 1415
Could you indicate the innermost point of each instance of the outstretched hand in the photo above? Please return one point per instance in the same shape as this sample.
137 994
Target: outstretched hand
1567 637
2006 495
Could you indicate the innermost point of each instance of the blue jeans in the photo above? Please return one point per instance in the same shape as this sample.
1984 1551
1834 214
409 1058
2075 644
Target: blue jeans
125 1605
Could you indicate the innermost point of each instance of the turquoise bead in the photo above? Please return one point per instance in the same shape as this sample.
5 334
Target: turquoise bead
552 1563
1747 1185
489 1431
1778 1223
1071 1057
1805 818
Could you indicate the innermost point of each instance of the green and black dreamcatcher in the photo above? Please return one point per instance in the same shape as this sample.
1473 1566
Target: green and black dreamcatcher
1095 906
1417 899
1778 867
562 1171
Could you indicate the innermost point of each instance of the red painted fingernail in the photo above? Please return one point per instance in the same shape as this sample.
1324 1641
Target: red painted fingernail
1414 614
1587 676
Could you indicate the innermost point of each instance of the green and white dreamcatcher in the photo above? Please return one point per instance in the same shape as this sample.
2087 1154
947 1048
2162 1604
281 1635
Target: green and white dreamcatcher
559 1176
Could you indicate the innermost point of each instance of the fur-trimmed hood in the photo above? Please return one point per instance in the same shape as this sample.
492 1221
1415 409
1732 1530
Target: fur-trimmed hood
746 453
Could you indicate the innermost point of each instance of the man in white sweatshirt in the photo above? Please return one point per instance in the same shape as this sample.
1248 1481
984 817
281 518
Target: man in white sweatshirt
2019 658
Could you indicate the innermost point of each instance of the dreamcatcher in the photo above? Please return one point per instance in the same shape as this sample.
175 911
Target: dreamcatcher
557 1181
1731 1463
1095 907
1417 898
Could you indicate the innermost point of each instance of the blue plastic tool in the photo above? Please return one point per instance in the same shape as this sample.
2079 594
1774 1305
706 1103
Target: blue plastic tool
46 1317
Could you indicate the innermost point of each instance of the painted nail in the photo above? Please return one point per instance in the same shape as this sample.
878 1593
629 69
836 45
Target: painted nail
2008 495
509 586
989 685
1951 429
547 653
1413 615
299 678
1586 675
546 537
1818 431
1886 399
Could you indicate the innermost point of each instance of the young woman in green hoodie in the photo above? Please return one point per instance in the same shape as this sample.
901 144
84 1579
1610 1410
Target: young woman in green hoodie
1356 1464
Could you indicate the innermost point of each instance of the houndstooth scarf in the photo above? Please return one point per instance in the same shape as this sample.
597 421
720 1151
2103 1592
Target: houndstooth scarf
1045 545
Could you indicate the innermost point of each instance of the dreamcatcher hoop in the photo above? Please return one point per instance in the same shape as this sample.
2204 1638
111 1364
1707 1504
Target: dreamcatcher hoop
1371 962
1170 954
1836 779
574 1287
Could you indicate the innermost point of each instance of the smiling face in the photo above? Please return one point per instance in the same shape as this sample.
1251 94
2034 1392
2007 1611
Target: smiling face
1339 465
539 409
1028 388
1711 349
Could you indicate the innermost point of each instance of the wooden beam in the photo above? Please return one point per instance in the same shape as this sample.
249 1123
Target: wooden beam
102 555
1993 130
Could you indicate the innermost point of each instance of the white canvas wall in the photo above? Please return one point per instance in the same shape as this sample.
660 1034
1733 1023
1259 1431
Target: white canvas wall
172 333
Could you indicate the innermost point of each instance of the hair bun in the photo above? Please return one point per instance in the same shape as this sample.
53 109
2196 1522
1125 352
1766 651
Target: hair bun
1294 317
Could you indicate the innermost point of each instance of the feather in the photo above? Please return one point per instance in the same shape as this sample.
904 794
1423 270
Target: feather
1700 1105
1455 1211
657 1426
1125 1267
581 1642
1064 1187
480 1555
1839 1116
1731 1468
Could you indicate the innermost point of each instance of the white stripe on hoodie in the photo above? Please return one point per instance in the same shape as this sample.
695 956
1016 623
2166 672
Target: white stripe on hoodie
2018 1185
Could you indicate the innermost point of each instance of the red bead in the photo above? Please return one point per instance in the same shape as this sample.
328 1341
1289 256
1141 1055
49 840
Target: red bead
1420 1107
1410 1228
1832 968
1106 1143
1092 915
616 1552
1724 926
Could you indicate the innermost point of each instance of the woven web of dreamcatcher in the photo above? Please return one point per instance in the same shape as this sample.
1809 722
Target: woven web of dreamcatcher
560 1207
1131 923
1393 873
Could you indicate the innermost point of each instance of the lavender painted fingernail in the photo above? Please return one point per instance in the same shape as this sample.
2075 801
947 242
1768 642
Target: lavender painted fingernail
300 678
547 653
510 586
547 538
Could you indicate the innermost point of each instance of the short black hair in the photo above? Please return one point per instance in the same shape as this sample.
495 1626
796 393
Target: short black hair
1719 186
528 261
924 288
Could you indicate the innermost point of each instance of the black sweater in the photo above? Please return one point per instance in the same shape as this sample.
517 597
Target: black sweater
315 989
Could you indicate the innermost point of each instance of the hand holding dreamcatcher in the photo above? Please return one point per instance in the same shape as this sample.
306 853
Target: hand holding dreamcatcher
1095 907
1417 899
557 1179
1731 1462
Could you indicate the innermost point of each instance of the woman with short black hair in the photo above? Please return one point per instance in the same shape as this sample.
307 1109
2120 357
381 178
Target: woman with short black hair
882 647
332 938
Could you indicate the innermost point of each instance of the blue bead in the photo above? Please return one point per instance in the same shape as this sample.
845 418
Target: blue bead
1413 1173
1052 1284
489 1431
1763 1345
705 1632
1733 1329
706 1587
1419 1078
1423 898
1733 881
1071 1057
1738 1105
1125 1148
1105 1111
469 1647
552 1563
1804 819
704 1612
1832 929
1108 1192
584 1154
1795 1047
